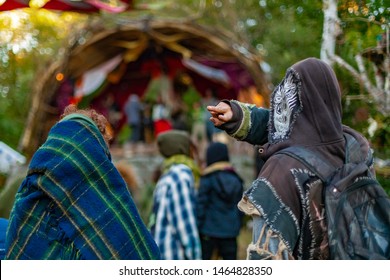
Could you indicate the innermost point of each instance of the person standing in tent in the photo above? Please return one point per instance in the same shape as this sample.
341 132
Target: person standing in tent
160 117
285 200
210 99
73 203
198 131
134 111
173 219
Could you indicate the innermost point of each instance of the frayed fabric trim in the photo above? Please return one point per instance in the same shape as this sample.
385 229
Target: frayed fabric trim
282 207
262 250
297 109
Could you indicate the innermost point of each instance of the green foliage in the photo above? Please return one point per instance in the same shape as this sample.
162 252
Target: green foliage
14 88
285 32
381 138
357 36
363 23
28 41
124 135
385 183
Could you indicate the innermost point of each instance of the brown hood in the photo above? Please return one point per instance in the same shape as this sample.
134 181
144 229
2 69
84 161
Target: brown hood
306 109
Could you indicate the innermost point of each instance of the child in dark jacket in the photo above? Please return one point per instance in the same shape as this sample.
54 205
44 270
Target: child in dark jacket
219 220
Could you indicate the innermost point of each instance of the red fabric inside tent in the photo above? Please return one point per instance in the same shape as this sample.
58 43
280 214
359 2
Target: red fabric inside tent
82 6
9 5
86 6
64 5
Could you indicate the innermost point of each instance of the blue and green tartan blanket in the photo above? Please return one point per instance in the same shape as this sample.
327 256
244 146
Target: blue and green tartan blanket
74 204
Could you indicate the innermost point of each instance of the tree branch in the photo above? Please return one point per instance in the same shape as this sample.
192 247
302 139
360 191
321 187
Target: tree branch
361 76
348 67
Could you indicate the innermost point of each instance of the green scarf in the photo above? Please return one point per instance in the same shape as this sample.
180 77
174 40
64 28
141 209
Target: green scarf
182 159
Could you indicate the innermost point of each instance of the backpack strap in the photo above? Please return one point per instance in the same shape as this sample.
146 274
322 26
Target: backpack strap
312 160
320 166
353 151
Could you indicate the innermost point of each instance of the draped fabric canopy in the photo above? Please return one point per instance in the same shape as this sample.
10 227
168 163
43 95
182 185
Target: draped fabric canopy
80 6
139 57
168 46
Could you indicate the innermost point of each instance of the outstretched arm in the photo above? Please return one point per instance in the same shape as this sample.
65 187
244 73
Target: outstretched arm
243 121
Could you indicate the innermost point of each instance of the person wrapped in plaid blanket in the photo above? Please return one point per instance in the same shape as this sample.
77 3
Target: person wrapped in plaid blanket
73 203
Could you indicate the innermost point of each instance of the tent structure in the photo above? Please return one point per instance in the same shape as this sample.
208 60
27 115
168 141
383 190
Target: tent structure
140 57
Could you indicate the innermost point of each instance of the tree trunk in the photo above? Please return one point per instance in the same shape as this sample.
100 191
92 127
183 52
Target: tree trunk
330 30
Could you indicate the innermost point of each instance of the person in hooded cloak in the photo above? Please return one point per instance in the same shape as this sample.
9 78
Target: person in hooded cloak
288 215
73 203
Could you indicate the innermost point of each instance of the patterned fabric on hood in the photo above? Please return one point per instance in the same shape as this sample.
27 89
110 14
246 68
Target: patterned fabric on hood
306 103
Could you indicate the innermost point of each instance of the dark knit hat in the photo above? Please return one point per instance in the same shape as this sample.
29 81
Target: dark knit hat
174 142
216 152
